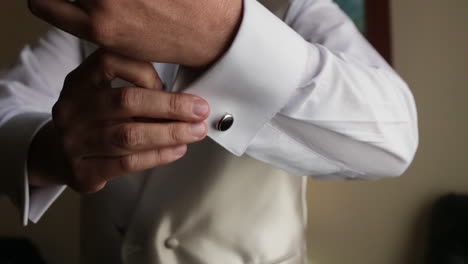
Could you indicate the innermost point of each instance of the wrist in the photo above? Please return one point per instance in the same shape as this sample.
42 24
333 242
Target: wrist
220 29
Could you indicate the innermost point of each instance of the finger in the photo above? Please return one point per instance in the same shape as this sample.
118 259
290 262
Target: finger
107 66
62 14
137 137
130 102
110 168
95 172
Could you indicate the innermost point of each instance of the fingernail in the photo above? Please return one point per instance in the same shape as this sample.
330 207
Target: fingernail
180 151
200 108
198 130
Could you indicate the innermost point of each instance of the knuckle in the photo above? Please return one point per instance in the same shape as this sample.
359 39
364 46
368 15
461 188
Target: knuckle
105 64
174 133
59 115
150 75
82 181
129 163
67 143
128 136
105 59
158 84
129 98
175 104
166 156
160 158
101 29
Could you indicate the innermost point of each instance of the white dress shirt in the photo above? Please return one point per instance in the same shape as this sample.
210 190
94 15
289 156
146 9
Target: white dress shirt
303 90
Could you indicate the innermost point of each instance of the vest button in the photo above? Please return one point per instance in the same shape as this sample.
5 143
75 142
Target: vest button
225 123
171 243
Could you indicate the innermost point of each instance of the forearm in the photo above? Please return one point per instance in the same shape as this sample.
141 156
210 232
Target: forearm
298 95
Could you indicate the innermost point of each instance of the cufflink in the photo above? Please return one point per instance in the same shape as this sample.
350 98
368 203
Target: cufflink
225 122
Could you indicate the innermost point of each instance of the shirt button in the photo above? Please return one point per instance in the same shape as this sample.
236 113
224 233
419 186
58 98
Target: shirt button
171 243
225 123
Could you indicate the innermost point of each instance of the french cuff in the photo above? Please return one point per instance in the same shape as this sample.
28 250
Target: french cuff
16 136
40 200
253 80
37 200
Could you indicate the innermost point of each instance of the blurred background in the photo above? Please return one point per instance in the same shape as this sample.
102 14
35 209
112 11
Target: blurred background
382 222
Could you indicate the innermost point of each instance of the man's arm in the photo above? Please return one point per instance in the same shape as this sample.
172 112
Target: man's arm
97 133
191 33
27 92
310 96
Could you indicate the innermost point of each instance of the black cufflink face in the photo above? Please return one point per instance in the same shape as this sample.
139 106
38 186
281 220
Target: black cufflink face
225 123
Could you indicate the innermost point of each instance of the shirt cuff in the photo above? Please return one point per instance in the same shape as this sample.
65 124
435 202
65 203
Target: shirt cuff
40 200
16 136
253 80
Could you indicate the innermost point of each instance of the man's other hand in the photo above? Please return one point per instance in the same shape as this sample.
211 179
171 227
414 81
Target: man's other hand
187 32
99 133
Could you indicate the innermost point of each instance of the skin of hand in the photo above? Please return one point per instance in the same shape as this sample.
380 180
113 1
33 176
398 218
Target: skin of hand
98 133
186 32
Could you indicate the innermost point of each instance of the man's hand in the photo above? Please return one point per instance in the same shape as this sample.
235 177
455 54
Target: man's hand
99 132
187 32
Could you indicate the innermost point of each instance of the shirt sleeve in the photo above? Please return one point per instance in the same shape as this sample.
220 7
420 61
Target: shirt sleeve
309 95
28 91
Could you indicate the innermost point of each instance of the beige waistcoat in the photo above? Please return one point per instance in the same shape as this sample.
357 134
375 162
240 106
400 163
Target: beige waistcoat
210 207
